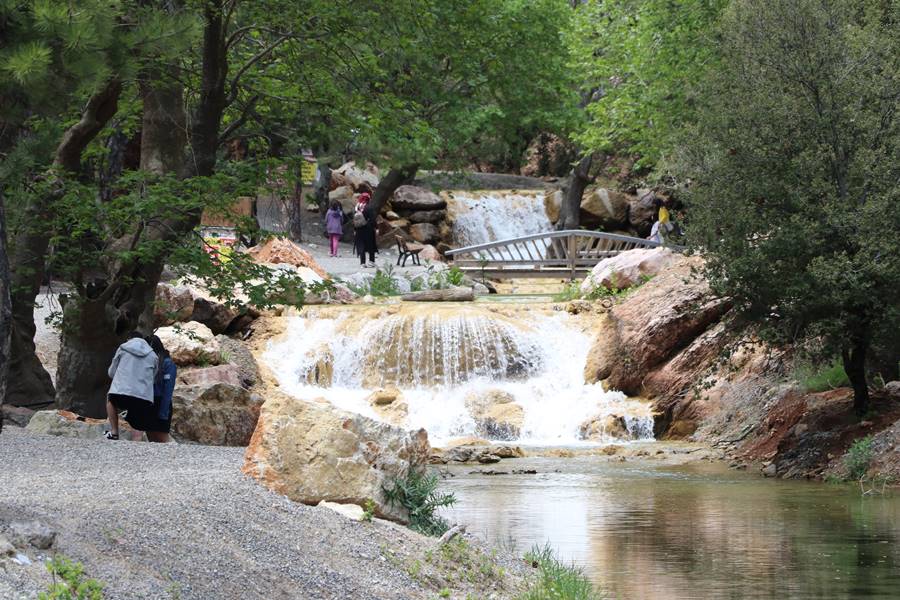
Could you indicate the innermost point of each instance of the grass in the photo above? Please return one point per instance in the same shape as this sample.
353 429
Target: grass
556 580
858 458
69 582
821 378
572 291
418 494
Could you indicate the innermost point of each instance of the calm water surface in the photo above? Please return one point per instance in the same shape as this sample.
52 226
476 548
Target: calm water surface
698 531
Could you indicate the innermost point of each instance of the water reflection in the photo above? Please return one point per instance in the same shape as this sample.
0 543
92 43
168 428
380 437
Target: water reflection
691 532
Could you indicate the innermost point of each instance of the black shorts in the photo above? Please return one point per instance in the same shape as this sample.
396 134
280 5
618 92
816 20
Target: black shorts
141 414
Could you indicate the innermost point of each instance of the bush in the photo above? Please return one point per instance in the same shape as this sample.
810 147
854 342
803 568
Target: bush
417 493
821 378
858 458
69 582
557 581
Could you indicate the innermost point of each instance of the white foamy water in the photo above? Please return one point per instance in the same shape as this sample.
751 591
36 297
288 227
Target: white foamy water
480 217
438 360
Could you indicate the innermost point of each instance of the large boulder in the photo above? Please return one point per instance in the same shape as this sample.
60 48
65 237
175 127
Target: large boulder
604 208
191 343
425 233
207 376
430 253
281 250
174 303
389 405
310 451
350 174
650 326
215 415
214 314
236 353
603 428
427 216
629 269
344 195
63 423
553 204
496 415
413 198
642 211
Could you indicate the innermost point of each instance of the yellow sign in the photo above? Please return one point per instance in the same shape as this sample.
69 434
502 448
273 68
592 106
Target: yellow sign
308 172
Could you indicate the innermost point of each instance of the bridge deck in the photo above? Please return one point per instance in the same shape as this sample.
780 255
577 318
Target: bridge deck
560 254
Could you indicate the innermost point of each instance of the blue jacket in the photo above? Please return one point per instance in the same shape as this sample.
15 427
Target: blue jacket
163 388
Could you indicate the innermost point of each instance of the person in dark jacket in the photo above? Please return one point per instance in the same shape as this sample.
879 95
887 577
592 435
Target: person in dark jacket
163 388
133 370
364 228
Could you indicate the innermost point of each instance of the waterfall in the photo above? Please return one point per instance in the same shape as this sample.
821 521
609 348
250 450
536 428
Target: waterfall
458 372
479 217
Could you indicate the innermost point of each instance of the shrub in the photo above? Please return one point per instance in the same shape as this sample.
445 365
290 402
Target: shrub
69 582
557 581
417 493
858 457
820 378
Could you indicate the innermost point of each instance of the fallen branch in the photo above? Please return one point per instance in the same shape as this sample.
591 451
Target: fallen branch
451 533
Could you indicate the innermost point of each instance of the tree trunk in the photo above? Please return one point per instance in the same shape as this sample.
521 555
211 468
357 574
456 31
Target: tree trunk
30 382
295 207
570 211
323 183
5 308
854 358
387 186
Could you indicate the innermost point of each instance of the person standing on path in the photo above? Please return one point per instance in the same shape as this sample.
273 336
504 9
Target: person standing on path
133 370
160 425
334 225
364 228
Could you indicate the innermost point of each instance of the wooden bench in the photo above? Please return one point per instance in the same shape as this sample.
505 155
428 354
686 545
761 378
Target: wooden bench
405 251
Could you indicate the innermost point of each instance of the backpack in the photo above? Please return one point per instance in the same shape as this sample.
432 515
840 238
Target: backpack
359 220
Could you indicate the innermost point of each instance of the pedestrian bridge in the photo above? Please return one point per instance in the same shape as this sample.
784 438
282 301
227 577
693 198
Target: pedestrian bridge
562 254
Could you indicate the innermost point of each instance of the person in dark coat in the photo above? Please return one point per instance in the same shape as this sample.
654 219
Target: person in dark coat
364 228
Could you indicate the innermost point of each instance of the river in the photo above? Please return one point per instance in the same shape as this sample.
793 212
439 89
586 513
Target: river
640 530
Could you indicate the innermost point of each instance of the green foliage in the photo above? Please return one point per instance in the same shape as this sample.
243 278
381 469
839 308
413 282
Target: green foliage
820 378
69 582
858 458
438 279
418 493
556 580
793 163
571 291
368 511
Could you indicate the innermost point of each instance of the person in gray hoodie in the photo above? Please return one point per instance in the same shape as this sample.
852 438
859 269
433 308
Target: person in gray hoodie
133 371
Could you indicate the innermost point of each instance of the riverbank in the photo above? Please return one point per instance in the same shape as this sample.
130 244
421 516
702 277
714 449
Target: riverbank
181 521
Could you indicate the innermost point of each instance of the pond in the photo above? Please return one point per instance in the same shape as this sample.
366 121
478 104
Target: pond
641 530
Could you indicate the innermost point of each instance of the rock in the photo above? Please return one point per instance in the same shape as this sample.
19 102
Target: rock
602 428
507 451
548 155
487 459
430 253
770 470
63 423
629 269
642 212
391 216
603 208
174 303
553 204
281 250
352 511
500 422
427 216
208 376
479 402
190 344
425 233
16 415
394 413
313 208
892 388
480 290
452 294
215 415
350 174
413 198
468 440
215 315
312 452
478 452
236 353
384 396
367 299
32 533
344 195
650 326
6 549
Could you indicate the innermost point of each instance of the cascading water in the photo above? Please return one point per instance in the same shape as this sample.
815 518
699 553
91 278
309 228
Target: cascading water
480 217
457 372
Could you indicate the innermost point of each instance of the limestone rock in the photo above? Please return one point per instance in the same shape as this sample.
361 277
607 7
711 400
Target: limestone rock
352 511
424 233
892 388
413 198
391 216
602 428
312 452
63 423
479 402
427 216
190 344
553 204
351 174
208 376
214 314
281 250
16 415
215 415
476 452
389 404
604 208
238 354
501 421
384 396
430 253
344 195
32 533
642 211
629 268
174 303
6 548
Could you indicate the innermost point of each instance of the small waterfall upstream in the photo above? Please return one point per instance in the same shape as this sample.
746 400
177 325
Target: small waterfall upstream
457 371
487 216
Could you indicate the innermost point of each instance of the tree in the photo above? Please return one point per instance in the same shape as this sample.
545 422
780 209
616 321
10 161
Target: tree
795 175
5 308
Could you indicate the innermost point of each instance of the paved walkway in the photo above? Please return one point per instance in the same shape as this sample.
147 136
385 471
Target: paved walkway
347 263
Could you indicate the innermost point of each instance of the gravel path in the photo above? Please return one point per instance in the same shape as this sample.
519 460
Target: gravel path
181 521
